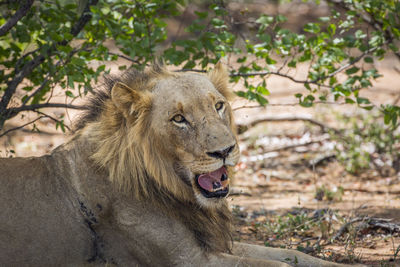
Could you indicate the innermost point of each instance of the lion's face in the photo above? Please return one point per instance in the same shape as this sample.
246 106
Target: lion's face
193 121
177 130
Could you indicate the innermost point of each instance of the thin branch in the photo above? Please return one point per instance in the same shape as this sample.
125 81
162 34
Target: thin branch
52 118
369 19
19 61
397 99
16 17
84 18
19 127
350 63
40 88
44 105
147 28
125 57
261 73
192 70
264 73
12 85
47 78
278 73
30 66
340 69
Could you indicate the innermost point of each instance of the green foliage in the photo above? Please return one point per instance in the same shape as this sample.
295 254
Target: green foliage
368 144
297 226
66 42
137 28
324 193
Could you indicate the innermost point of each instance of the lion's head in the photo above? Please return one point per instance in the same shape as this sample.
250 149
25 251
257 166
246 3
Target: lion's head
174 128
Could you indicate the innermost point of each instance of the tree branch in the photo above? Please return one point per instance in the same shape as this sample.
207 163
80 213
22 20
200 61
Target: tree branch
369 19
12 85
16 17
19 127
47 78
263 73
85 17
124 57
193 70
52 118
30 66
44 105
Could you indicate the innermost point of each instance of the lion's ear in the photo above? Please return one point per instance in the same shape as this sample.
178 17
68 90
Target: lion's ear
219 76
129 100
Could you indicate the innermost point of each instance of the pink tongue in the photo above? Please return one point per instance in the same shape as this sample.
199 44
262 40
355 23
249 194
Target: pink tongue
206 180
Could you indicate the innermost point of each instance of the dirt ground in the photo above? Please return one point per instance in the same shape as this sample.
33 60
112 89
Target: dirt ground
300 196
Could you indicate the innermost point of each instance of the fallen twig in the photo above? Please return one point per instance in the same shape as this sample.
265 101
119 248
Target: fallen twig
345 228
371 222
324 128
271 153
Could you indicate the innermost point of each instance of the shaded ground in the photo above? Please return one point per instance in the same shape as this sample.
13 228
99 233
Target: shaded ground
280 206
300 196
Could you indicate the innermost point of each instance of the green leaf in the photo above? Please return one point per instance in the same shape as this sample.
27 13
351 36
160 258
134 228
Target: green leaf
352 70
265 20
368 59
312 27
362 100
306 104
292 64
261 100
298 95
393 47
201 15
69 93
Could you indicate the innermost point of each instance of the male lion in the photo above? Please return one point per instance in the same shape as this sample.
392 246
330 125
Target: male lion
142 182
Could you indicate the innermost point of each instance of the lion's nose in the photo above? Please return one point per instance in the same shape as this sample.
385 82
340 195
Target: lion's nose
221 154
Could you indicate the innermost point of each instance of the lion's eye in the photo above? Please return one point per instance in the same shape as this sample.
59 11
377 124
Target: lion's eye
178 118
219 106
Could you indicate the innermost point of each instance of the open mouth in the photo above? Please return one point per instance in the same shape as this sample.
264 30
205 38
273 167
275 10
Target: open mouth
214 184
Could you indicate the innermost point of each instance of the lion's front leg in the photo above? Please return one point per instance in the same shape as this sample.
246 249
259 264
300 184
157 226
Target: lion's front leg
292 257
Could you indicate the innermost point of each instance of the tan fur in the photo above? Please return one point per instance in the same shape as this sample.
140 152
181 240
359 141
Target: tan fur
123 191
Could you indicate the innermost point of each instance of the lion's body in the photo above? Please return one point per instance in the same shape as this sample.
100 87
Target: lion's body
141 183
32 226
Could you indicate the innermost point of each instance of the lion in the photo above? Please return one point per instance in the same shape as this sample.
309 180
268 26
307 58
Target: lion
142 181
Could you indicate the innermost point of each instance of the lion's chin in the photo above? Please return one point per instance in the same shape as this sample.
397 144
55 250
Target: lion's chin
213 185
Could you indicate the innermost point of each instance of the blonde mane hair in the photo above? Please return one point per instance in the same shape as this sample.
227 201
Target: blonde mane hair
134 157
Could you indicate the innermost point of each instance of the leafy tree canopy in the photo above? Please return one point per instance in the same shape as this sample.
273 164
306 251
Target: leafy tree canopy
49 43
